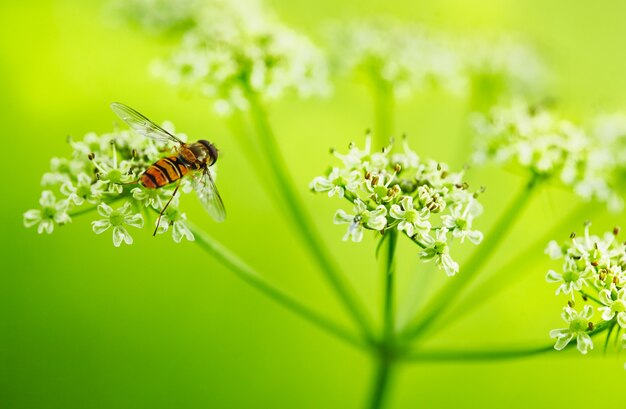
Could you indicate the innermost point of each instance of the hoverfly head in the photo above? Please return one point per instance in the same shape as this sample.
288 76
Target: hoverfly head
212 150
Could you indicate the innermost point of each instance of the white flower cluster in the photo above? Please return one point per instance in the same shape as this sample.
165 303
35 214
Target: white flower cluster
594 270
234 48
101 175
547 145
504 59
410 57
398 190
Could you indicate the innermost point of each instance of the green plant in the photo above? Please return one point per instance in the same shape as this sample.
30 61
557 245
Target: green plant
243 59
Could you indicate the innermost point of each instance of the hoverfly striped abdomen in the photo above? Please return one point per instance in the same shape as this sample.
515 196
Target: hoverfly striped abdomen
163 172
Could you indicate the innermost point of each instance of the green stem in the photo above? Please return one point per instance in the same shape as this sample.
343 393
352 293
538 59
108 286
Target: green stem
389 273
247 274
494 354
380 386
249 146
383 111
487 355
444 298
386 353
303 224
513 269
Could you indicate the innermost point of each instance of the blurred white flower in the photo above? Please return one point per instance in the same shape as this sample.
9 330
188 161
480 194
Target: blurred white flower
235 49
552 147
374 220
409 58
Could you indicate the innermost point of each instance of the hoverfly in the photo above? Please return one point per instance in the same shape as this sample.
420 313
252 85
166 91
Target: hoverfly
192 159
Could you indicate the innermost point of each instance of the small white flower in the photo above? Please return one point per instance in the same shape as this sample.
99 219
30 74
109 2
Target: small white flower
553 250
117 218
176 220
363 159
615 301
593 249
149 197
50 213
84 189
578 326
572 279
460 219
431 199
62 170
408 159
374 220
93 143
115 175
337 182
412 221
439 251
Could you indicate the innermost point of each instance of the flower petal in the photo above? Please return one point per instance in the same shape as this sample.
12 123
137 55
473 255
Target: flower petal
584 342
104 210
121 234
32 217
342 217
100 226
135 220
396 212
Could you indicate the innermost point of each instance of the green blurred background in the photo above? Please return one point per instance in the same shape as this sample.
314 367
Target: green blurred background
161 325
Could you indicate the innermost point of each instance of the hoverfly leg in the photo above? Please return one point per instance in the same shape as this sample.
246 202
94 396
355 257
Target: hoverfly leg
164 208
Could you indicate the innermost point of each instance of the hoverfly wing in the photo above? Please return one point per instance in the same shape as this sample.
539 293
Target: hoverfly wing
210 198
143 125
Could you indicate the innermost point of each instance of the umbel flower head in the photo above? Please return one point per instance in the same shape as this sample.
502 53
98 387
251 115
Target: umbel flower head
535 139
410 57
233 49
97 178
389 190
593 273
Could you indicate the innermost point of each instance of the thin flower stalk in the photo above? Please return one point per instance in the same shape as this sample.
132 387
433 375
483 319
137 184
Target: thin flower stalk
382 93
389 272
514 268
492 354
250 276
386 362
301 218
